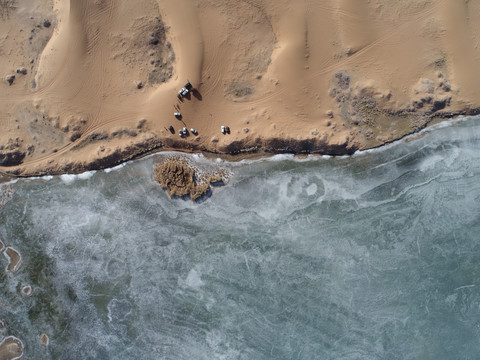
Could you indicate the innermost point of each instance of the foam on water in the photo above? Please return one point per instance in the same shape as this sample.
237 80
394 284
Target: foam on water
115 168
69 179
372 256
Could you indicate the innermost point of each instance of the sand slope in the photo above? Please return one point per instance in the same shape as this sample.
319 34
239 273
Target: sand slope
96 80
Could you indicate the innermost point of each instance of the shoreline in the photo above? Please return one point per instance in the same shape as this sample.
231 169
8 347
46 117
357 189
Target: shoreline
88 85
297 149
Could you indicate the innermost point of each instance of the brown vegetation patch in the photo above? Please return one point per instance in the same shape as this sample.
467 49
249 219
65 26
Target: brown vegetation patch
145 47
371 113
181 179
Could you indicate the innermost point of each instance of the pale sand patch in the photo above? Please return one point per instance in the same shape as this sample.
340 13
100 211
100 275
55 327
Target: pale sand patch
11 348
27 290
97 83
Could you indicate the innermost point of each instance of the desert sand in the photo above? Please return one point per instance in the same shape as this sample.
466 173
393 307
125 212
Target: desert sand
88 84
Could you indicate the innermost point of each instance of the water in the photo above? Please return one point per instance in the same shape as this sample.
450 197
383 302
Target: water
375 256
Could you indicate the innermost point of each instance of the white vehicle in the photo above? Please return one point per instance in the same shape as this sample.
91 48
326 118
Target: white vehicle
184 92
223 129
177 114
180 133
184 131
193 131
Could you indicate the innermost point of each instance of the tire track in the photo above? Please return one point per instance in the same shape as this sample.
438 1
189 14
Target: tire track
99 44
67 147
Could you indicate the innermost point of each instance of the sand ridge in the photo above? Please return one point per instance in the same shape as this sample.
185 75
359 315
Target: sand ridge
91 83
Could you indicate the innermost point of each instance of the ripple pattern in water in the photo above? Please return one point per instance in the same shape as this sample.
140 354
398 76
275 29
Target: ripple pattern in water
374 256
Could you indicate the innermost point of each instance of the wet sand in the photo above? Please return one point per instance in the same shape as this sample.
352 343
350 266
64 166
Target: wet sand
89 84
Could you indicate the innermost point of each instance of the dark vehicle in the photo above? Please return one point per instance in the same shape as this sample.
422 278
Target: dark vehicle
172 130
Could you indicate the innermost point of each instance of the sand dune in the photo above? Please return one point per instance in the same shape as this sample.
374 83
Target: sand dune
95 81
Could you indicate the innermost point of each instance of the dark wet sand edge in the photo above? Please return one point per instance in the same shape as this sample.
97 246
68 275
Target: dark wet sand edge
236 151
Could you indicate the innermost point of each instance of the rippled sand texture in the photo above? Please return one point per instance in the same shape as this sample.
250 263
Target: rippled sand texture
95 81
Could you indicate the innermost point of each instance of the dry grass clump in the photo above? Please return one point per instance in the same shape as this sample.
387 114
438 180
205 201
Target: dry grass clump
181 179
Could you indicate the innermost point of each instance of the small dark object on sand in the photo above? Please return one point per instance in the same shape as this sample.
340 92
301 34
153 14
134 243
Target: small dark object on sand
172 130
9 79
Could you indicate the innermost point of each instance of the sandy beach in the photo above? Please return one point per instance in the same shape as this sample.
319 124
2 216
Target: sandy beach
89 84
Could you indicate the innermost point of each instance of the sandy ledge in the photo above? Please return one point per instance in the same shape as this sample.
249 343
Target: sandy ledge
90 84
